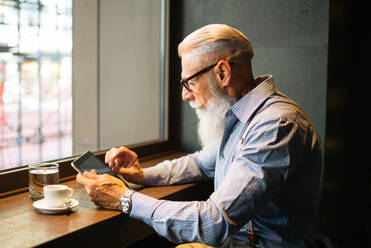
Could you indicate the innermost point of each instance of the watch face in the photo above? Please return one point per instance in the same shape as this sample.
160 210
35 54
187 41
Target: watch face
125 205
125 201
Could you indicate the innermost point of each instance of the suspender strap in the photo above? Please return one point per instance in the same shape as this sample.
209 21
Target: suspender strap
251 237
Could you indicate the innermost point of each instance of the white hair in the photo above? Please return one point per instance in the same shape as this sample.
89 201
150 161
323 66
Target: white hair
220 41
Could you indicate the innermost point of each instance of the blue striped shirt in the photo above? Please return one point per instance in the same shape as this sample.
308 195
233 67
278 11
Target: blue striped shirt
267 171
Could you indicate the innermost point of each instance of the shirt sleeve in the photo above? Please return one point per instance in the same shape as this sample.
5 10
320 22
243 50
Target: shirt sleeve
253 178
177 171
206 161
181 222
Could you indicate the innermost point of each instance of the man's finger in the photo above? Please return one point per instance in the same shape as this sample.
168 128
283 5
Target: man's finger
118 162
115 153
90 175
106 157
121 170
109 154
110 163
132 163
124 171
81 179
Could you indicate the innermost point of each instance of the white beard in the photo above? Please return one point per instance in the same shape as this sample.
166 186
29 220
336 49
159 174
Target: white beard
211 119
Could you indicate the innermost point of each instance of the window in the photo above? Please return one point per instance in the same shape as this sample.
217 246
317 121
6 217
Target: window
119 73
35 81
109 90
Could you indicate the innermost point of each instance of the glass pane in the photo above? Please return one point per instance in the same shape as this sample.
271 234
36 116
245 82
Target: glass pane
119 83
134 47
35 81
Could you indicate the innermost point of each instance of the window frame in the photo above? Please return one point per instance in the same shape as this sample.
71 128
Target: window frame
15 180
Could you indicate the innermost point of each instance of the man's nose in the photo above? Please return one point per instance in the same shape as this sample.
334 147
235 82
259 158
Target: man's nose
186 95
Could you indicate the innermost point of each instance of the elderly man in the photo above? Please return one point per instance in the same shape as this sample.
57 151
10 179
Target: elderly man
257 144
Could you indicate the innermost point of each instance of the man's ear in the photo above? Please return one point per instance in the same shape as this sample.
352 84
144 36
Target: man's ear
223 72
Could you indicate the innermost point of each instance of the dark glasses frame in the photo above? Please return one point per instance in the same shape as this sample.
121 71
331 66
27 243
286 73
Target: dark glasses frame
184 82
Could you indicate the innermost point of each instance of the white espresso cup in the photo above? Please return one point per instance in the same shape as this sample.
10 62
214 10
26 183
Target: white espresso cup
57 195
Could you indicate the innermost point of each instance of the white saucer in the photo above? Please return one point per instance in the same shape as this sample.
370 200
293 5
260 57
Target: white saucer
41 206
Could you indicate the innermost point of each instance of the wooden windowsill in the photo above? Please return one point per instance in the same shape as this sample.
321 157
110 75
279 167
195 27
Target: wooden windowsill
23 226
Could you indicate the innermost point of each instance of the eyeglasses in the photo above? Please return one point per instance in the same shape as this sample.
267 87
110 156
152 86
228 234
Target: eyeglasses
185 82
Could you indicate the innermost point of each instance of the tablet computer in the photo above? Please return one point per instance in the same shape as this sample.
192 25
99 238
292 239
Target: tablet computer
88 161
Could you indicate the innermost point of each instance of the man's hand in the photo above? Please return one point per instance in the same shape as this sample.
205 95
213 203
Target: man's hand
125 162
104 190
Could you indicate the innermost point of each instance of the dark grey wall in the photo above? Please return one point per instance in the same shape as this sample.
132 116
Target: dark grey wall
290 40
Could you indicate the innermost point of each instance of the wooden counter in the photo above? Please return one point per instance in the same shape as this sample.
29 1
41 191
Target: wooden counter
86 225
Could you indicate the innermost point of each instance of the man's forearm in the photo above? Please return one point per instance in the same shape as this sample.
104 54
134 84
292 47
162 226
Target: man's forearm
181 170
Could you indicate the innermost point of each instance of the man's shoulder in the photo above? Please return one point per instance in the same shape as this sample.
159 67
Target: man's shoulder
279 105
279 110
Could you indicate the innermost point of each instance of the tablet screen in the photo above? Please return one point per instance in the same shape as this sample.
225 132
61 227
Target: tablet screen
88 161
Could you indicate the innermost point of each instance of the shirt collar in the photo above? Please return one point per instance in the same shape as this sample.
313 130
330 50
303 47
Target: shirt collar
246 106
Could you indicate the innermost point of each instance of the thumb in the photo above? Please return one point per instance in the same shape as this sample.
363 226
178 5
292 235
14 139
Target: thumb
81 179
120 170
90 175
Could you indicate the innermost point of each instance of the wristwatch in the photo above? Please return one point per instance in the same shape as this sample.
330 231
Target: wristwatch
125 201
